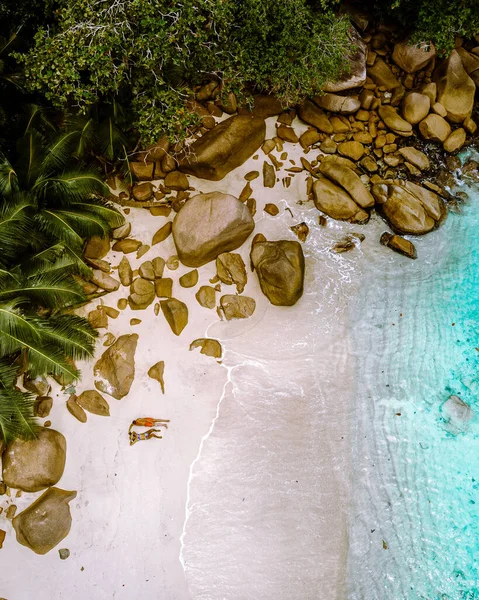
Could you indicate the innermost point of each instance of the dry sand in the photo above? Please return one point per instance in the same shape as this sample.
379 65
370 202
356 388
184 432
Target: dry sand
247 492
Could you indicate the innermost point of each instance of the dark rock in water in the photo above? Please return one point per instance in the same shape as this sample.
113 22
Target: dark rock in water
223 148
116 367
208 225
398 244
46 522
457 414
280 269
33 465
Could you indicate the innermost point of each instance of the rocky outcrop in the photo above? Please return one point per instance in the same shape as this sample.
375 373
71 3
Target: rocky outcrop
455 89
116 367
46 522
414 57
33 465
280 269
355 75
223 148
345 105
208 225
336 202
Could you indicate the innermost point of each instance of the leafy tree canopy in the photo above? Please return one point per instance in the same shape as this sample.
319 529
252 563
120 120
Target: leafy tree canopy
154 51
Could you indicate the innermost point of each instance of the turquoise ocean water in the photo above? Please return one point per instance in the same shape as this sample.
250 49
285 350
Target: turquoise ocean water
414 531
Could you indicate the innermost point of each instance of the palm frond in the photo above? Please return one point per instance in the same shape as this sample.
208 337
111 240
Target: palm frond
58 228
59 152
103 209
16 415
8 178
38 118
49 289
72 186
110 138
31 155
59 257
73 334
15 228
86 140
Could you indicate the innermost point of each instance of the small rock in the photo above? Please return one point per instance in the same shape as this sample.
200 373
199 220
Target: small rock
142 170
434 128
173 263
287 134
122 303
109 339
237 307
111 312
231 270
125 272
157 372
271 209
11 510
75 409
301 231
208 346
46 522
344 105
162 233
344 245
158 265
398 244
455 141
43 406
269 175
142 192
122 232
175 180
328 146
415 157
394 122
39 385
127 246
97 247
353 150
3 488
147 271
176 314
142 250
164 287
309 137
104 281
337 203
94 403
134 322
98 318
160 211
142 294
251 175
413 58
382 75
311 114
415 107
206 296
2 537
64 553
189 279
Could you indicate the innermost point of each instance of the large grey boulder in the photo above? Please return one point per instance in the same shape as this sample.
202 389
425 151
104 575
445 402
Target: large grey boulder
46 522
116 367
33 465
208 225
280 269
223 148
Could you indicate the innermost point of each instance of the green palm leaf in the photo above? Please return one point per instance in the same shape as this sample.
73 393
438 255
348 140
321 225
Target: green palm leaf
16 415
8 178
59 257
59 152
103 209
72 186
15 228
73 334
110 138
50 289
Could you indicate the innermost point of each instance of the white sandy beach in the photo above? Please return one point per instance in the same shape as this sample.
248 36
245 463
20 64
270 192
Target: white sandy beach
247 494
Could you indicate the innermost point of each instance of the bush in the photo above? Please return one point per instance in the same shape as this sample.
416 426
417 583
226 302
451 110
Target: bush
153 51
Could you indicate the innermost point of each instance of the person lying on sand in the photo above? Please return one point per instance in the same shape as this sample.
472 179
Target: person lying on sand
147 435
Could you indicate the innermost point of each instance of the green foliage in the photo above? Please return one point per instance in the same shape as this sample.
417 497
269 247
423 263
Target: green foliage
438 21
153 52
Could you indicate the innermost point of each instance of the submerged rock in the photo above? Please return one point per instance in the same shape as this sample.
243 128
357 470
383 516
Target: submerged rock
208 225
231 270
208 346
237 307
33 465
398 244
457 414
46 522
223 148
206 296
116 367
280 269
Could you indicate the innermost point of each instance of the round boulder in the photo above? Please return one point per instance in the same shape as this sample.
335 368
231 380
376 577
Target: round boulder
208 225
33 465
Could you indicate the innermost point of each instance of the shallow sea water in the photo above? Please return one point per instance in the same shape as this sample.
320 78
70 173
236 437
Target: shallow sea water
414 531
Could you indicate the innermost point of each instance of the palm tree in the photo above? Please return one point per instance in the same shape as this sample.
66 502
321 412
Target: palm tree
47 211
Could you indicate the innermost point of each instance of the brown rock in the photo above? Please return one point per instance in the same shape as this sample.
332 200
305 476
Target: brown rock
164 287
162 233
104 281
33 465
176 314
237 307
301 230
208 346
348 180
309 137
158 265
98 318
122 232
280 269
157 371
231 270
122 303
398 244
287 134
142 170
43 406
125 272
206 296
146 271
142 294
430 90
271 209
415 107
224 148
208 225
415 157
116 367
189 279
2 537
311 114
434 128
328 146
142 192
337 203
382 75
175 180
344 105
46 522
173 262
455 141
269 175
455 89
405 212
97 247
355 75
94 403
412 58
439 109
75 409
353 150
266 106
126 246
394 122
